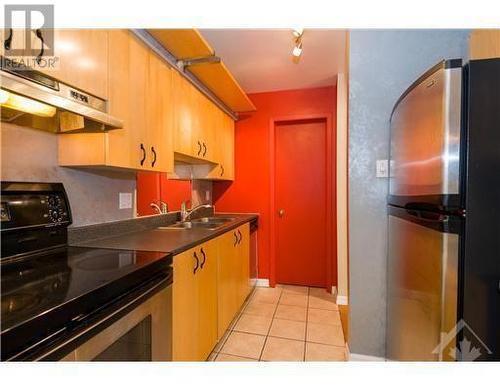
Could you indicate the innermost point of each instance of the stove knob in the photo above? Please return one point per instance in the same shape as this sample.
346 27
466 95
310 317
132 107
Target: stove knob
54 215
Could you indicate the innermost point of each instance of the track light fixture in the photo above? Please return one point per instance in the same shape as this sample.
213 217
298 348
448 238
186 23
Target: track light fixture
297 49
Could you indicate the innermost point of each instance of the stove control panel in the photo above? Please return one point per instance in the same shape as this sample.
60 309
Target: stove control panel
42 205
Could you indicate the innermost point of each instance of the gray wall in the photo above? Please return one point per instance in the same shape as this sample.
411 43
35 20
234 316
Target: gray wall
31 155
383 63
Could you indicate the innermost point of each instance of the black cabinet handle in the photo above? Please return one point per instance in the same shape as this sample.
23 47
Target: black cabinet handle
197 262
199 147
154 156
235 239
143 154
221 170
38 33
204 149
204 257
8 41
241 237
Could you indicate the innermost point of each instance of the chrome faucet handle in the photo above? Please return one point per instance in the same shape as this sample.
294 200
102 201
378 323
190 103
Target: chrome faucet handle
155 206
184 212
164 207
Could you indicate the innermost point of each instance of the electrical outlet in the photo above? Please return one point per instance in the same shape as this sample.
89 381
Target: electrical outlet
125 201
382 168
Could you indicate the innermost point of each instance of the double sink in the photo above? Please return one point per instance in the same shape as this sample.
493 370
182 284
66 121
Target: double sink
209 223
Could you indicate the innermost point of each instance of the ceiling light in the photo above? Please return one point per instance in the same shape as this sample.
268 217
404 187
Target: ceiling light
298 32
20 103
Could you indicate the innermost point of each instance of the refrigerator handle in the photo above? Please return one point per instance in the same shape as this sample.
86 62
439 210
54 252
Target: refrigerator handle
431 217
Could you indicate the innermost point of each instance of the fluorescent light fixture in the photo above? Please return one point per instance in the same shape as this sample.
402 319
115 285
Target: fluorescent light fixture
20 103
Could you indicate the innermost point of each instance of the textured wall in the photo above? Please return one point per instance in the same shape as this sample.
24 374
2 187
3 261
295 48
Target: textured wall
31 155
383 63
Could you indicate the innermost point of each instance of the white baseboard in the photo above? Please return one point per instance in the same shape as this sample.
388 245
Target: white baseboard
364 357
262 282
342 300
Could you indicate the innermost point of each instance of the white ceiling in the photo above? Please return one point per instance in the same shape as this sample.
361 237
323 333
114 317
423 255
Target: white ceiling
261 59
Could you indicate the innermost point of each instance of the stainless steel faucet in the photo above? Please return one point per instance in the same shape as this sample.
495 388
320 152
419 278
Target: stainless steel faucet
161 209
185 214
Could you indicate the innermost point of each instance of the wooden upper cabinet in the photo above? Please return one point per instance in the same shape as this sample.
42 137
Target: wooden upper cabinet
226 148
159 116
194 123
123 144
140 93
206 128
224 138
184 117
83 59
484 43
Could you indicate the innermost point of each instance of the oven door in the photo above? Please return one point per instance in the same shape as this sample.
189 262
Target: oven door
143 334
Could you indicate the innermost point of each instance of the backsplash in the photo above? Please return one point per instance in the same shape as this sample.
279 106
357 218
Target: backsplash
31 155
201 192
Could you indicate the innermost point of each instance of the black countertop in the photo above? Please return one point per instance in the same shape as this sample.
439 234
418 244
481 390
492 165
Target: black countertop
174 241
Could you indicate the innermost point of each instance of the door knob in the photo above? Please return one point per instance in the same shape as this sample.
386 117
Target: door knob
281 212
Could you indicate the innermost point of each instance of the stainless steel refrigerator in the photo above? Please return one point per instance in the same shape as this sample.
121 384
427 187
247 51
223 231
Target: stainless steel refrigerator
443 290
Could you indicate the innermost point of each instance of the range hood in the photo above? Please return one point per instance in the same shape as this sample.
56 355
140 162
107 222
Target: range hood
31 98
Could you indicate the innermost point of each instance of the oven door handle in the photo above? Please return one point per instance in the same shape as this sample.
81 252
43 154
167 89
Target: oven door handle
83 317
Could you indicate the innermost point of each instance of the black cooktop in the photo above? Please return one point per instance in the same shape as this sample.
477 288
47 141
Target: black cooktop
43 293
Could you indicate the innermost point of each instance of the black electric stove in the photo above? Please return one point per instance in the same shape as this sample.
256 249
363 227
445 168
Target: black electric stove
51 291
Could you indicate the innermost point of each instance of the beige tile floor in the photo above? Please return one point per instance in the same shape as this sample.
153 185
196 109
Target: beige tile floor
286 323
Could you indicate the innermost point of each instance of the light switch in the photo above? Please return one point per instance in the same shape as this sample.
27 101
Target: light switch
382 168
125 201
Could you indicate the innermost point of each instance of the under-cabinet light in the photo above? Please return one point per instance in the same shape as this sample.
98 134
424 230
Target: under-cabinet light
27 105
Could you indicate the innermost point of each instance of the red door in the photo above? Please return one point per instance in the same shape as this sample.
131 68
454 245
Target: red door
301 196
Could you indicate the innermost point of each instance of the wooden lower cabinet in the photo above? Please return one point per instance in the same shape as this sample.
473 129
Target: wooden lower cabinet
233 278
211 282
194 303
227 280
244 286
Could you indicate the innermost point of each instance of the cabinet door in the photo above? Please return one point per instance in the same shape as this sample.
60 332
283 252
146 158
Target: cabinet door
226 280
207 298
184 103
123 144
244 285
185 297
159 116
138 80
226 157
224 140
83 59
206 128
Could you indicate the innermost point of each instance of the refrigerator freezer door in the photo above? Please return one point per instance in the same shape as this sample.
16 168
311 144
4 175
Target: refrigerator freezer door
422 286
425 140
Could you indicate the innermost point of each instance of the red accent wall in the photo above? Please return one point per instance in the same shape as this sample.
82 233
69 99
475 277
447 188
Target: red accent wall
250 190
153 187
